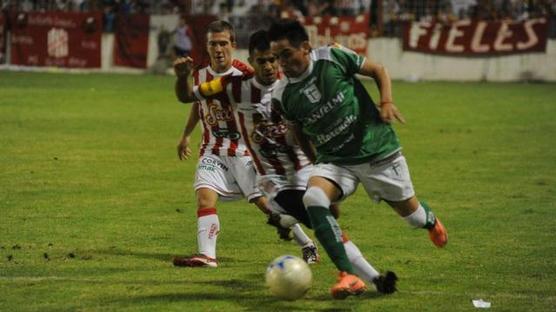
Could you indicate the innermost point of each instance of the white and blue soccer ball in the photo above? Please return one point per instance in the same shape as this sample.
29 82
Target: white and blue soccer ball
288 277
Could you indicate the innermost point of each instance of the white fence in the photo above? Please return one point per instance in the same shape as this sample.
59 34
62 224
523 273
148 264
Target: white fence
417 66
407 65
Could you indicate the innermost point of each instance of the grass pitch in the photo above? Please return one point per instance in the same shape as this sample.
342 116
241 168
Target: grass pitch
94 202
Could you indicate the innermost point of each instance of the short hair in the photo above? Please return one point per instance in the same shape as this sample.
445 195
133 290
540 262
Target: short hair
222 26
259 41
288 29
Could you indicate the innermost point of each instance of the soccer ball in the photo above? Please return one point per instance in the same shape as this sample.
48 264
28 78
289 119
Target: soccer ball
288 277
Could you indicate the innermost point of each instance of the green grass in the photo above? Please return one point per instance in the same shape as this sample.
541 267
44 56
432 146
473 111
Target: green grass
94 202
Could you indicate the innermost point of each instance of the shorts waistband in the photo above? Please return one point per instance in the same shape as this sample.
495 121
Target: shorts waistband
375 163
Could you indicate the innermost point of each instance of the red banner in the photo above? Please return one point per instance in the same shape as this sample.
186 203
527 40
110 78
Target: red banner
469 37
349 31
2 39
198 24
56 39
131 41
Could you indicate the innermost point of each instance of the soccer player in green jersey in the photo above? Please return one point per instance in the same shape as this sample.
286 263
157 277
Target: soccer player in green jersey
351 140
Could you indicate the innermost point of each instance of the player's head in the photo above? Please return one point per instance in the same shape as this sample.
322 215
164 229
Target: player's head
181 21
290 42
220 45
262 59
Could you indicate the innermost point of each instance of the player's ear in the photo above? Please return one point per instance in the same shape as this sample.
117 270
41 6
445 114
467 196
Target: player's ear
306 46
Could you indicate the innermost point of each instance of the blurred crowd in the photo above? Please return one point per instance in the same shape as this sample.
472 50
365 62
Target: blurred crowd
385 15
447 11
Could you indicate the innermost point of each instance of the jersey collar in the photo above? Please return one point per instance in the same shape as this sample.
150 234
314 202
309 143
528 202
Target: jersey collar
263 87
215 74
307 72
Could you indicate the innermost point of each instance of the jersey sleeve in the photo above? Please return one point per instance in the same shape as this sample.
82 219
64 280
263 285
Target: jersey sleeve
350 61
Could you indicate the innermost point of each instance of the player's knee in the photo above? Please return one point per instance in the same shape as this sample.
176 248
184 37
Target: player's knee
315 196
206 198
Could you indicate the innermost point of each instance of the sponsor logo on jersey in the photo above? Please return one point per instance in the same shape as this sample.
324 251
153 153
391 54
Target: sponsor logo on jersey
264 130
216 113
338 129
324 109
226 133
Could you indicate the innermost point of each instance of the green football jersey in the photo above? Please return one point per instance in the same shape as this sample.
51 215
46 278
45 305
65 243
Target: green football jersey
335 111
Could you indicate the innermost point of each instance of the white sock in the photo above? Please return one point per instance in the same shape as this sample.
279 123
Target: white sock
208 227
300 237
360 265
418 218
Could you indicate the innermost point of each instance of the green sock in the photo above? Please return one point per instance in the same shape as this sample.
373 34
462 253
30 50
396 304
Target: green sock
329 235
431 219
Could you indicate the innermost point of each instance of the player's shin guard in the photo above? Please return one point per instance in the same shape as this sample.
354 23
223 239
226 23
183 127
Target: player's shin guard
208 227
326 228
329 235
423 217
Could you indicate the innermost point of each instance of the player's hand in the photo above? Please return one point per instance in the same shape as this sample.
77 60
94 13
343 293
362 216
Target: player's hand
389 112
184 152
183 66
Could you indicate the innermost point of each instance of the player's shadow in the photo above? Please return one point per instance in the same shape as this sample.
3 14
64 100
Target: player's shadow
245 291
248 302
144 255
164 257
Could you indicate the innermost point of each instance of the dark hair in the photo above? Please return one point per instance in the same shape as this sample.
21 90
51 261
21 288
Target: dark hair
222 26
288 29
259 41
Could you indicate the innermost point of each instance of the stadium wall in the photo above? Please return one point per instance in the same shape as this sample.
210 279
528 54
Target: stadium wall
401 65
417 66
412 66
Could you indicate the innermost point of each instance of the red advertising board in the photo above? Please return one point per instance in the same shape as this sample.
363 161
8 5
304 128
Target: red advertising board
131 41
349 31
61 39
467 37
2 39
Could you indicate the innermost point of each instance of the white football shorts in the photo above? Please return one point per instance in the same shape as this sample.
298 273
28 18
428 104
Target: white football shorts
232 177
271 184
383 180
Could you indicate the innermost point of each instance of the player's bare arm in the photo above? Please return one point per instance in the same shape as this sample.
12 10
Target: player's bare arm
184 149
183 88
388 111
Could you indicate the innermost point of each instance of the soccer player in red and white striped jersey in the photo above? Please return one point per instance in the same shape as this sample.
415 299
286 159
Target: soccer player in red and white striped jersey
225 168
221 135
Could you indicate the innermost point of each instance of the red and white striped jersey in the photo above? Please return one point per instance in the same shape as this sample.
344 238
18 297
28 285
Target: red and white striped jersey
263 130
265 133
221 135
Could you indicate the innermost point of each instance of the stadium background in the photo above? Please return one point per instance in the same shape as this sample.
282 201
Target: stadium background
94 202
384 30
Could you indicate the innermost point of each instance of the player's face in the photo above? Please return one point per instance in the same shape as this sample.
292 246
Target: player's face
220 48
265 64
294 60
